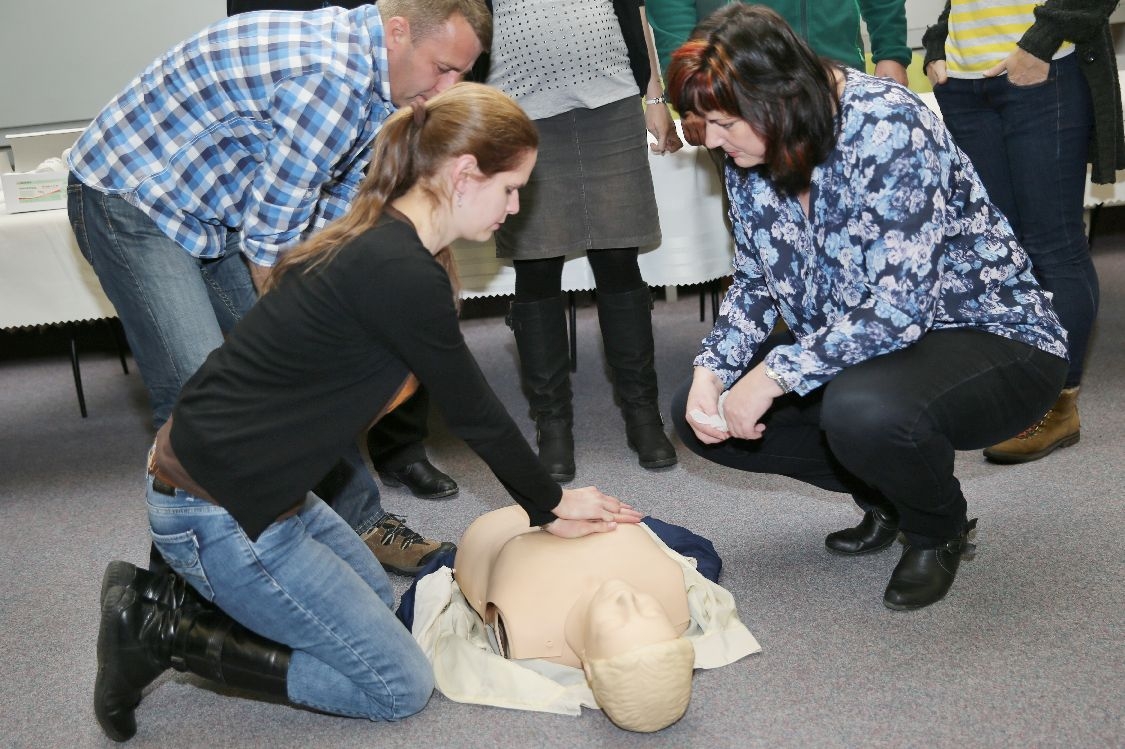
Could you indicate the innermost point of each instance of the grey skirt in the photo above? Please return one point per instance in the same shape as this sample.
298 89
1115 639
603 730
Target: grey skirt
591 188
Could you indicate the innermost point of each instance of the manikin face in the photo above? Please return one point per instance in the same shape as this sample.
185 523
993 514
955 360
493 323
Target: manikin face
621 618
424 68
486 202
735 136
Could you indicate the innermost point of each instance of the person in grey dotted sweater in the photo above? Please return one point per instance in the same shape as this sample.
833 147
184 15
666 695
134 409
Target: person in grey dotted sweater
580 69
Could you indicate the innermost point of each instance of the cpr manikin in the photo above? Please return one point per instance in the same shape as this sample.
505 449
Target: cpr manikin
613 604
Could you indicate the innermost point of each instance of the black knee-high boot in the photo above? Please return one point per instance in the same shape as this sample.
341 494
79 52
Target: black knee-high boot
626 322
160 586
540 329
139 639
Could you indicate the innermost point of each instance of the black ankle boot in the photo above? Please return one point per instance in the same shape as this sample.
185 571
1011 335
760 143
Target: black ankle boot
924 576
644 431
541 339
139 639
556 448
625 319
877 531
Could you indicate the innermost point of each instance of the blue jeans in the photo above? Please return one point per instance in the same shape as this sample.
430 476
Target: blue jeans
1030 144
886 430
176 308
308 582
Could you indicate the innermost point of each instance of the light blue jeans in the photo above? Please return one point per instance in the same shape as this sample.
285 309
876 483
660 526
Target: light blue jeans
176 308
308 582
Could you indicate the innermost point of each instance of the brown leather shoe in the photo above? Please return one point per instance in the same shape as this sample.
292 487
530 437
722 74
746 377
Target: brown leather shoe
1059 427
400 549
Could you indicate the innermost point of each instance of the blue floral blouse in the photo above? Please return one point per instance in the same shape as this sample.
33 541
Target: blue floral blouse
902 240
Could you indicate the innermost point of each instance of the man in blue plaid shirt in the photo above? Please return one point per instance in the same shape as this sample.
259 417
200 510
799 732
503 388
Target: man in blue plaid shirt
230 149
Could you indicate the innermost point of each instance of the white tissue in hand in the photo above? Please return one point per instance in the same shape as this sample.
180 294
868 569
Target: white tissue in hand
719 420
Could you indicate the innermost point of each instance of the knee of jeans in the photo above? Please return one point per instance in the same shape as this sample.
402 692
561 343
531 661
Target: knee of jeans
415 691
419 695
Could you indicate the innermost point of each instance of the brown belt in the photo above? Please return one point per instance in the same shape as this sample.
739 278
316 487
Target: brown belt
162 461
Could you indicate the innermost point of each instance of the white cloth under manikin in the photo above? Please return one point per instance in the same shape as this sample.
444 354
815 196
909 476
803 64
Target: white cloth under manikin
467 669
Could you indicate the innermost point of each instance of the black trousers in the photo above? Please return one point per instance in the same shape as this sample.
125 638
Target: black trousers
889 428
396 439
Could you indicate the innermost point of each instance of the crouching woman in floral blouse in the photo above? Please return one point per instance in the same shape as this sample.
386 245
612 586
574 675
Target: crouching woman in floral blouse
914 325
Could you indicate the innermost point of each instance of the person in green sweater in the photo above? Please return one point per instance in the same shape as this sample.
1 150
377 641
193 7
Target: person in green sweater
830 28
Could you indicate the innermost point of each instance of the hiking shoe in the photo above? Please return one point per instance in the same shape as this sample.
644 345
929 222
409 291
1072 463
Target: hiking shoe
400 549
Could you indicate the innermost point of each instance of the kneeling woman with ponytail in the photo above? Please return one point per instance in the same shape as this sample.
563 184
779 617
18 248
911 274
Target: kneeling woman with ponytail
284 598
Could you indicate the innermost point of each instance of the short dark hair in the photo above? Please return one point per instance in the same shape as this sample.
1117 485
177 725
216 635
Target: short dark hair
744 60
427 17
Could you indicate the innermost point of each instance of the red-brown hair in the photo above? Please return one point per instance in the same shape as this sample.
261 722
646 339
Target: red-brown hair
746 62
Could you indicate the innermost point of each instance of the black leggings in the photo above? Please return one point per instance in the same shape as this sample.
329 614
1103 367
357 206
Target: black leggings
891 425
615 271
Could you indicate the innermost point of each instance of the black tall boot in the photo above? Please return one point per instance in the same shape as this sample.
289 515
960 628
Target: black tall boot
139 639
163 586
541 340
626 323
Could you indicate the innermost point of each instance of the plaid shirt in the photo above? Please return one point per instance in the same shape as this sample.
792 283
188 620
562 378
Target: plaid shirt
262 122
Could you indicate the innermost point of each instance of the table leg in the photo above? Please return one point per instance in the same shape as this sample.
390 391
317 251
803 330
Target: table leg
1092 222
71 328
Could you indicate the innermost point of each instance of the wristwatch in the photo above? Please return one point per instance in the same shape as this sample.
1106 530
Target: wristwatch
776 377
662 99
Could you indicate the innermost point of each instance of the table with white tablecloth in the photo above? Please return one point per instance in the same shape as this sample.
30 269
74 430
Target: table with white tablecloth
44 280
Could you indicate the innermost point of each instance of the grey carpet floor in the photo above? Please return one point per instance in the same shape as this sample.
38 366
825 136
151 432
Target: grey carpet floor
1027 650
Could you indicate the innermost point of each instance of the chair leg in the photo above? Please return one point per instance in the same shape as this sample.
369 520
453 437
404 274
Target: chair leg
70 327
572 318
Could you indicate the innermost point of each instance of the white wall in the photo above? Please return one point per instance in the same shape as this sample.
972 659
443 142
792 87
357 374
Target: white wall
61 61
919 15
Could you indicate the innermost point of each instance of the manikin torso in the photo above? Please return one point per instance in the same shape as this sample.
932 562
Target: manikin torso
534 588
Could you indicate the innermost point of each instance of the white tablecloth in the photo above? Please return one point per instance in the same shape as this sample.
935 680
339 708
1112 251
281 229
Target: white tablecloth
43 277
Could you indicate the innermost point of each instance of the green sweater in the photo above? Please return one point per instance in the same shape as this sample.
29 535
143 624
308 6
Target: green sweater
830 28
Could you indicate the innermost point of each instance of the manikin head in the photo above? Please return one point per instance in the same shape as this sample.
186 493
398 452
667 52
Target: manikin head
637 665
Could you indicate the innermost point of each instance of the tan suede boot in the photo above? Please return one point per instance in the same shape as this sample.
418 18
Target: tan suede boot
400 549
1059 427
